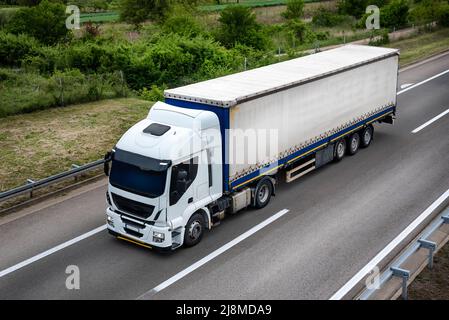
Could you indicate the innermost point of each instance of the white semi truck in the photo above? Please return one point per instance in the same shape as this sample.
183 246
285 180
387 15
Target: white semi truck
219 146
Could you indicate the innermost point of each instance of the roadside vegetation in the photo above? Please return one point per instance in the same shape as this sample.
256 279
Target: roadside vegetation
47 142
163 43
157 44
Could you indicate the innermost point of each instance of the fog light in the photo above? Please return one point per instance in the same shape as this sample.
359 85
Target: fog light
158 237
110 221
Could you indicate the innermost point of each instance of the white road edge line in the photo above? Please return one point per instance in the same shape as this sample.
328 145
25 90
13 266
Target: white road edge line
51 251
422 82
384 252
214 254
442 114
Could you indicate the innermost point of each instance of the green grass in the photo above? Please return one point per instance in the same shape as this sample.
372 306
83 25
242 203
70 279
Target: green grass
248 3
47 142
422 46
100 17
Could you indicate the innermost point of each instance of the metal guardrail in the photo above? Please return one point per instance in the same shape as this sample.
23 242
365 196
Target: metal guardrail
395 268
33 185
389 263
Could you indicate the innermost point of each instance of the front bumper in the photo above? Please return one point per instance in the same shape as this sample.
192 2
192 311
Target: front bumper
137 231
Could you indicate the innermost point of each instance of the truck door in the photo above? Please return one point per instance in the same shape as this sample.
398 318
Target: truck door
182 193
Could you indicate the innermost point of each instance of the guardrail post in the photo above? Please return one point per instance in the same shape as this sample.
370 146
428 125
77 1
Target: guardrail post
74 166
445 219
405 275
431 246
31 191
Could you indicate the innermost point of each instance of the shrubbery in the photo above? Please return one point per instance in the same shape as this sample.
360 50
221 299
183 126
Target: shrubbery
326 18
22 91
295 9
394 14
238 25
45 22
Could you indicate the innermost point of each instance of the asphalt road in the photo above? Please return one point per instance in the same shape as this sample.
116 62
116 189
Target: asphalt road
339 218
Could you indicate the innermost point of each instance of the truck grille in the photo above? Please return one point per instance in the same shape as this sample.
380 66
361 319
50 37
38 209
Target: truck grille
138 209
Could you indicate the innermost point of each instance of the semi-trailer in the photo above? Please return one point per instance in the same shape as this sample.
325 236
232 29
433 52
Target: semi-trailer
219 146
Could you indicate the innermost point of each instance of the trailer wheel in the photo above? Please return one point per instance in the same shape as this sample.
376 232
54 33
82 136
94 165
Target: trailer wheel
353 144
366 136
194 230
262 193
339 150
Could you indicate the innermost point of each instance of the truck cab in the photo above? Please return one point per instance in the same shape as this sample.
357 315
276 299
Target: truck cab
163 174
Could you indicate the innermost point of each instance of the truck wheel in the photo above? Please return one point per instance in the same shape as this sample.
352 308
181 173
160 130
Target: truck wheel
339 150
353 144
194 230
262 194
366 136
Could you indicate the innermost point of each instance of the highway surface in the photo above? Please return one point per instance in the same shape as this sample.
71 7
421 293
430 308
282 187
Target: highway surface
338 218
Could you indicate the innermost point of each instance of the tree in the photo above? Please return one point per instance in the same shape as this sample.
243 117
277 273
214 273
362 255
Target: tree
45 22
426 12
295 9
298 29
238 25
395 14
357 8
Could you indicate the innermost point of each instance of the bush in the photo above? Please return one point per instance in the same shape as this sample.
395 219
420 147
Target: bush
154 94
395 14
45 22
295 9
26 91
298 29
182 24
13 48
357 8
383 39
238 25
326 18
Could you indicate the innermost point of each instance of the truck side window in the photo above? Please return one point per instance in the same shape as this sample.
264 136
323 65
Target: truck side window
182 176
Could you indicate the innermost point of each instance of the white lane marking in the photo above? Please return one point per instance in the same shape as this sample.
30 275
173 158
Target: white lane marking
406 85
384 252
442 114
51 251
214 254
422 82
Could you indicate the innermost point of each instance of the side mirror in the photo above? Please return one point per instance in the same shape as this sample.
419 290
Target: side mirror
107 159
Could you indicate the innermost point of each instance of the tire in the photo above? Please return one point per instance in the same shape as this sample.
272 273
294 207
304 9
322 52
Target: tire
353 144
339 150
366 136
262 193
194 230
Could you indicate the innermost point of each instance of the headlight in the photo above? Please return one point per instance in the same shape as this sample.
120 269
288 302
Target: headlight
110 221
158 237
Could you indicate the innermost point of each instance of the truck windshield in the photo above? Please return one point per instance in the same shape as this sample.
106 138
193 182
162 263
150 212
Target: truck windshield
135 178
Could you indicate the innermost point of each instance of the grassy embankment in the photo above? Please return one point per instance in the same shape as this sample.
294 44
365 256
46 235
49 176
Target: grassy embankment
42 143
421 46
46 142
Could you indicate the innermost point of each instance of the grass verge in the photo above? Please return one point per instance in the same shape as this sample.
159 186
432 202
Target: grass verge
422 46
47 142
